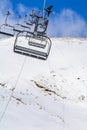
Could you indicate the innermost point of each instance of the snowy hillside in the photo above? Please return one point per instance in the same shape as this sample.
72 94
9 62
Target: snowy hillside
45 95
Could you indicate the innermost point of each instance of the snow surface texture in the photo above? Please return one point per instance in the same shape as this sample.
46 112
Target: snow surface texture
45 95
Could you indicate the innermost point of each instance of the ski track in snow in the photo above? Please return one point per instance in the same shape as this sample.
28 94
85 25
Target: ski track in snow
49 94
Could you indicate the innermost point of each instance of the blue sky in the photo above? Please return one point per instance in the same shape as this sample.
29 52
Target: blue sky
79 6
69 19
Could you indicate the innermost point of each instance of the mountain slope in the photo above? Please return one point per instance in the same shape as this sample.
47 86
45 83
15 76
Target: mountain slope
49 94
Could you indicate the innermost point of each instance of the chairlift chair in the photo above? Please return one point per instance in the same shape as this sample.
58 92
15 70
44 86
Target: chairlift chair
36 43
19 27
25 44
6 28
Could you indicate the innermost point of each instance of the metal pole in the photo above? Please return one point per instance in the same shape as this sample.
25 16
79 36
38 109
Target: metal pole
44 7
44 3
6 20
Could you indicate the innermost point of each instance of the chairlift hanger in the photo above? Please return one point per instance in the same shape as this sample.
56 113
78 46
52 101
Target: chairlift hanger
6 28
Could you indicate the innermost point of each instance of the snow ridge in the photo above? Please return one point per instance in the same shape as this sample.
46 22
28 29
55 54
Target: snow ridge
49 94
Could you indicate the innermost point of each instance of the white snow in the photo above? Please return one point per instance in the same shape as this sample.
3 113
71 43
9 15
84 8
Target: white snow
48 95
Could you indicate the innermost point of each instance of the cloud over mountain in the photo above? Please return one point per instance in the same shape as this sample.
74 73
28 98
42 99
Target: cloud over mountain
67 23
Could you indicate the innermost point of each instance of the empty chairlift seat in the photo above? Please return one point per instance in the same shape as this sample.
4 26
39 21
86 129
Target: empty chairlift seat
21 27
34 43
39 49
7 30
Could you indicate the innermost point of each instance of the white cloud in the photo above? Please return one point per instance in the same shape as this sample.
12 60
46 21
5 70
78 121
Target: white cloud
5 5
21 8
67 23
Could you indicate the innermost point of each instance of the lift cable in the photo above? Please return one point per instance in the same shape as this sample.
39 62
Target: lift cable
4 111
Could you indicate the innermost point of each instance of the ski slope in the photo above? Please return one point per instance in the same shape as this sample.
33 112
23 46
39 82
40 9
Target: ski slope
44 95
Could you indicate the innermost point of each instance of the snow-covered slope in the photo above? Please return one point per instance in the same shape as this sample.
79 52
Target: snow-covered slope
45 95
